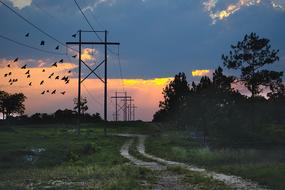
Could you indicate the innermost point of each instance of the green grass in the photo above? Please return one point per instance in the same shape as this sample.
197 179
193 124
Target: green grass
93 161
266 166
90 161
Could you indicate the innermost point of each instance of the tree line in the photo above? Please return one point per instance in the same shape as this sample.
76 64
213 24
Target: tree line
12 108
65 116
218 112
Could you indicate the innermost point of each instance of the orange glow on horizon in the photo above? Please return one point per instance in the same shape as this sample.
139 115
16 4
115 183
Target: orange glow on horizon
155 81
146 92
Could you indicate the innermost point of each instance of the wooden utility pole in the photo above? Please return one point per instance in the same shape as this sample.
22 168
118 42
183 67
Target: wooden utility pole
79 87
134 111
116 113
125 99
130 109
92 71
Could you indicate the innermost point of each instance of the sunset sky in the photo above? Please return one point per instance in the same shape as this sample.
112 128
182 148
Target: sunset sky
159 38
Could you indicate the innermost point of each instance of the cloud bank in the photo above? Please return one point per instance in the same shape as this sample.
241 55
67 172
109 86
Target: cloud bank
212 7
20 4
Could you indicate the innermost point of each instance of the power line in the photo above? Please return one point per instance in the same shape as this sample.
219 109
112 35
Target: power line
85 17
121 72
87 20
93 15
28 46
35 26
53 17
92 97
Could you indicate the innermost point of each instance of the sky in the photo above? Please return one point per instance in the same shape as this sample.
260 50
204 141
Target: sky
159 38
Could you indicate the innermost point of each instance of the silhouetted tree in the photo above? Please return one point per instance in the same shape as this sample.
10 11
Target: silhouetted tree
249 56
12 103
3 97
174 94
221 81
65 116
96 117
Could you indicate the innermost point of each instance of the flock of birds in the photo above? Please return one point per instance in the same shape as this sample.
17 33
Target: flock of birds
52 75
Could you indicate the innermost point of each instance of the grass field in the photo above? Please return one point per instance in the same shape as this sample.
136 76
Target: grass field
54 157
266 166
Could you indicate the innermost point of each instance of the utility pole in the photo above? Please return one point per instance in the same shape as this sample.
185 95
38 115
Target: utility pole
79 87
106 82
134 111
125 99
92 71
125 107
129 114
116 97
116 106
130 109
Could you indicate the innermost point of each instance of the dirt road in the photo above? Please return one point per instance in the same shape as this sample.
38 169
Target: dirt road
170 180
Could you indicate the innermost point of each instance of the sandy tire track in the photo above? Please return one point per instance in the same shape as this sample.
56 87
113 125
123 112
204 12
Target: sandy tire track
233 181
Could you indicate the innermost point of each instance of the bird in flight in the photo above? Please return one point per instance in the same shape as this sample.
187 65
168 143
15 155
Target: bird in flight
74 56
9 65
57 48
42 43
63 92
28 76
10 73
57 77
24 67
44 70
69 71
51 75
10 80
27 35
5 75
42 82
47 91
28 72
54 65
74 35
43 92
53 92
15 60
65 78
15 80
61 61
30 84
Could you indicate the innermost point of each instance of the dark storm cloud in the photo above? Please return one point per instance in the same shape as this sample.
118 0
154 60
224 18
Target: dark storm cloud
159 37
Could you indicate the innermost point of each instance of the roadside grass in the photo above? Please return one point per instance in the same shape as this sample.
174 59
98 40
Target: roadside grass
37 157
265 166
